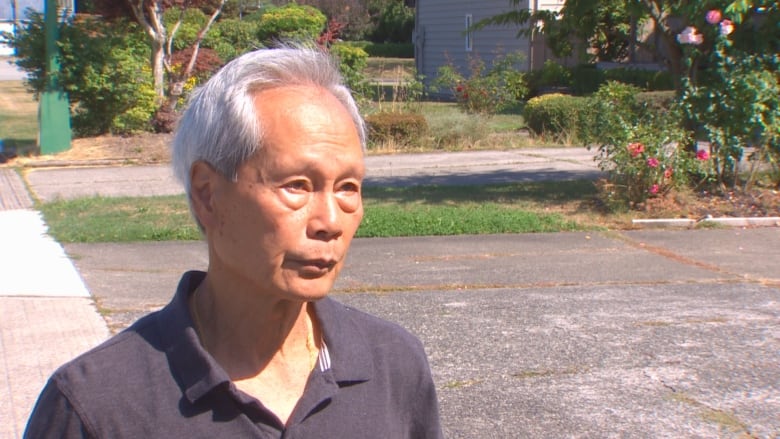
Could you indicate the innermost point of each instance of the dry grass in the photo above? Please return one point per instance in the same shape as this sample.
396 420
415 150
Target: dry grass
18 113
390 69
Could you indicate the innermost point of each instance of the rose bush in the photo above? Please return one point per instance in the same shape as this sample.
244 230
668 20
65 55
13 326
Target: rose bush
486 90
735 101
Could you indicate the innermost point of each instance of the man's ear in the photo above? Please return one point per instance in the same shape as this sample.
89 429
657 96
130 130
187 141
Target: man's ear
203 183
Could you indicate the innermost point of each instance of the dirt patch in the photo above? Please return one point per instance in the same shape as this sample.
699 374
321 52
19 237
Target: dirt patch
139 149
756 202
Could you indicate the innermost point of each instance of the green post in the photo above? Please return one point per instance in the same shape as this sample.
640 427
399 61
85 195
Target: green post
54 109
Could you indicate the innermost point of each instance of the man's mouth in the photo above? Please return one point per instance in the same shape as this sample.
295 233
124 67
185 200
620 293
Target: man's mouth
315 267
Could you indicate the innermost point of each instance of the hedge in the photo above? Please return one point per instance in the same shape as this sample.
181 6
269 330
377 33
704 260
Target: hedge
400 128
555 115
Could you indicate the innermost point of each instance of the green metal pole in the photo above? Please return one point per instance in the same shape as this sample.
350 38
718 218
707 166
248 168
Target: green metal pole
54 109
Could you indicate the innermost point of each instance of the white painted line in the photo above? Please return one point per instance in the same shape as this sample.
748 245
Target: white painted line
31 262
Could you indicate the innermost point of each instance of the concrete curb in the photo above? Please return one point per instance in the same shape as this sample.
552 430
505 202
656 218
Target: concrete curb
770 221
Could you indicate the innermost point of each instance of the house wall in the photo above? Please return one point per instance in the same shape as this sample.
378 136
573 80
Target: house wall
440 39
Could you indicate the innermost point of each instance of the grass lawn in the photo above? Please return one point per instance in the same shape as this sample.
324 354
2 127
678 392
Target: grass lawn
413 211
18 116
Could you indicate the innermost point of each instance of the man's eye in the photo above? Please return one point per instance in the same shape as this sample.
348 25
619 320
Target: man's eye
298 185
350 187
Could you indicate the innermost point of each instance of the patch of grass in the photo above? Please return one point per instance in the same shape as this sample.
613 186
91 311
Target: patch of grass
455 210
469 219
412 211
123 219
18 116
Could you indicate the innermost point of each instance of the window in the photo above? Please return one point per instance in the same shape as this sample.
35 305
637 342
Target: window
469 36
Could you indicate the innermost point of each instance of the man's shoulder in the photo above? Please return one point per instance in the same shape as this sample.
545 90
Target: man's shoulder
377 332
121 356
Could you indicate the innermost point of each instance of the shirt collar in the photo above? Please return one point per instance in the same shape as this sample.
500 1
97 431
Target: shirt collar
194 369
350 352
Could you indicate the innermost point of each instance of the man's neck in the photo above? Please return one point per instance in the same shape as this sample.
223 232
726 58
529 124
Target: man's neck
250 333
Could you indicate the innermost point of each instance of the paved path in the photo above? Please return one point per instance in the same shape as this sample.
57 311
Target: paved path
48 316
635 334
477 167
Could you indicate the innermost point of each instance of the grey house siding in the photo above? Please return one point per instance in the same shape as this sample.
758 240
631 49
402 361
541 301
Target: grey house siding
440 38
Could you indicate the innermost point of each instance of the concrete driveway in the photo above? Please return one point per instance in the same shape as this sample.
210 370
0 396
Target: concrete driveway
633 334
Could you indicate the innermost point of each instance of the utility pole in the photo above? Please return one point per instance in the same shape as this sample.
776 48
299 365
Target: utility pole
54 109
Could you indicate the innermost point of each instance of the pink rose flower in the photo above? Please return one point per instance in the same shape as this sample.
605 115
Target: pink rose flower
690 35
654 189
668 173
653 162
702 154
726 27
713 16
635 149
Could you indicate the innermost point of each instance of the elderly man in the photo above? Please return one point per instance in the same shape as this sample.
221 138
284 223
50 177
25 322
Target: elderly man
270 151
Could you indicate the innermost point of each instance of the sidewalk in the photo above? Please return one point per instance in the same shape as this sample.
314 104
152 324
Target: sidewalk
653 333
48 316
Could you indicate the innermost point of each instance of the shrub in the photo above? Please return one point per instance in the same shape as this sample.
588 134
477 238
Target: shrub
403 129
192 22
660 101
395 24
291 22
231 38
649 80
137 118
352 63
555 115
736 104
485 90
641 149
104 70
384 50
552 76
587 78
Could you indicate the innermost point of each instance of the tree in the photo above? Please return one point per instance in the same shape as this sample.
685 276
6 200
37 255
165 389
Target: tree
608 27
149 14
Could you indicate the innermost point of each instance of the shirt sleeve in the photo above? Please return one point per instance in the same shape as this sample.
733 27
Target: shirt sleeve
426 423
54 416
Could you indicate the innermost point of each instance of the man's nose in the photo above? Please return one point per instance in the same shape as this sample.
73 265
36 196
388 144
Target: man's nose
326 216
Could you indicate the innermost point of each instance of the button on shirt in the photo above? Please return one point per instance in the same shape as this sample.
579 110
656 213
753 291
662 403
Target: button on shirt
154 379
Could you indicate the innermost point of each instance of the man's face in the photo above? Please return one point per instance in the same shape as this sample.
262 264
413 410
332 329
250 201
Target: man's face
284 227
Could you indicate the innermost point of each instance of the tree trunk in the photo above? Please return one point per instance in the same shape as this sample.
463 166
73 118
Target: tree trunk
150 18
176 85
158 66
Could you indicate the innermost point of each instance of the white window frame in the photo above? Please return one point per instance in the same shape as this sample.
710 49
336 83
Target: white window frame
469 34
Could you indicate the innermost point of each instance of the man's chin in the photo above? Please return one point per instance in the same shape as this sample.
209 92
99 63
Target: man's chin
311 289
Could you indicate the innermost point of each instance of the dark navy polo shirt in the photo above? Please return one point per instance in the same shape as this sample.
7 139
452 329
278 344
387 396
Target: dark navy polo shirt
155 380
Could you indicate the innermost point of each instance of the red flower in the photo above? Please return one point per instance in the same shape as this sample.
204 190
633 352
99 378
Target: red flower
635 149
702 154
653 162
713 16
668 173
654 189
459 88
